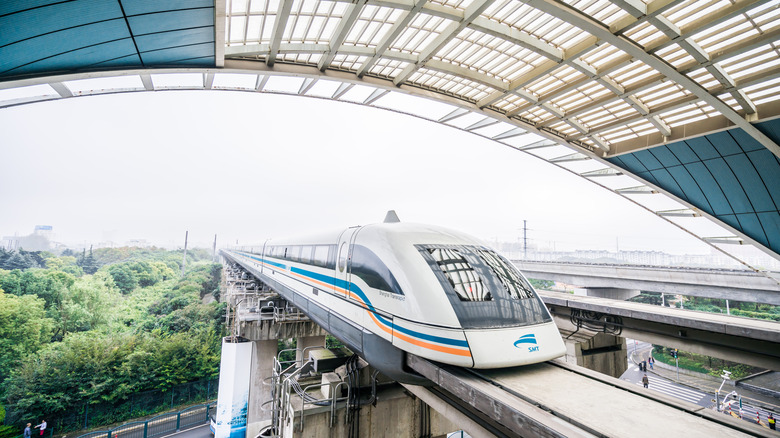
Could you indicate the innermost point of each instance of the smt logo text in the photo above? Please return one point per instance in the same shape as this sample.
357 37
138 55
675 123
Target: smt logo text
527 339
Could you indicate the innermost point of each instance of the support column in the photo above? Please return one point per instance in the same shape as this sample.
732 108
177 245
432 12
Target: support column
600 352
260 388
304 342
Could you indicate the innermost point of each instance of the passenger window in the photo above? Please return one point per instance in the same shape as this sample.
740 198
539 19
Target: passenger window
321 255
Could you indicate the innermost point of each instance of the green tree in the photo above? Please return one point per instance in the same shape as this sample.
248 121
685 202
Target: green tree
24 328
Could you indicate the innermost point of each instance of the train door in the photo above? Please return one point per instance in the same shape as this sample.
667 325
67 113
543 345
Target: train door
344 260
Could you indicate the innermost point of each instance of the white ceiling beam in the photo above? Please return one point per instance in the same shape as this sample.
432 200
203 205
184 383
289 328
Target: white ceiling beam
395 31
375 95
61 89
282 15
515 132
219 32
146 79
636 8
487 121
457 112
514 36
451 31
340 33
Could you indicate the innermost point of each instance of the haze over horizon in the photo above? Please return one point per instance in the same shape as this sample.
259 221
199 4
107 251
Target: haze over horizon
248 167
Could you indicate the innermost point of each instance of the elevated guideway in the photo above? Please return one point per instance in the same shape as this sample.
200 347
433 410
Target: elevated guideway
554 399
744 340
727 284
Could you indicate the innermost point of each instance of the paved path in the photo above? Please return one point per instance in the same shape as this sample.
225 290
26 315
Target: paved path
201 431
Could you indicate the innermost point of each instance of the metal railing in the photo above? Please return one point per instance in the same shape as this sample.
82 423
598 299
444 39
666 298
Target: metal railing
160 425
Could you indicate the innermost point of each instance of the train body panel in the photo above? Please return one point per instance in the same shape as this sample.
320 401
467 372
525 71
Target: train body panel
385 289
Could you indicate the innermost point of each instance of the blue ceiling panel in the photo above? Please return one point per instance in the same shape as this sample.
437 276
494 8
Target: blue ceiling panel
724 143
631 163
52 37
123 62
206 61
177 53
748 176
710 188
729 185
665 156
86 56
136 7
771 223
147 43
174 20
683 152
702 148
746 142
665 179
768 169
11 6
56 43
648 160
728 174
750 221
35 22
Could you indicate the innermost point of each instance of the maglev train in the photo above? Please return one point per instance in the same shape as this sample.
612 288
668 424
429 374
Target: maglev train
393 288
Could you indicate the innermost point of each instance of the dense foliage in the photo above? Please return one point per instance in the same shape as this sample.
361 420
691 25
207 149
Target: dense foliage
703 364
98 326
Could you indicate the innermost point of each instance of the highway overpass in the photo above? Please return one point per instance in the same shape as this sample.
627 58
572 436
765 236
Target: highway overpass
737 285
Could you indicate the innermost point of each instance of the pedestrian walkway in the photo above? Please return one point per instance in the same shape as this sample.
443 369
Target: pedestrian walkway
708 386
666 387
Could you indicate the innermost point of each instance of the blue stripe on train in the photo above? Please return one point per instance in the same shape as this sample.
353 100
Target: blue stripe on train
352 287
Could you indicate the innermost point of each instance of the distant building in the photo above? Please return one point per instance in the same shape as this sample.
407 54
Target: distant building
10 243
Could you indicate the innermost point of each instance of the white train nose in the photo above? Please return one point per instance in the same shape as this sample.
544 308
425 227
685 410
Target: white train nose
500 348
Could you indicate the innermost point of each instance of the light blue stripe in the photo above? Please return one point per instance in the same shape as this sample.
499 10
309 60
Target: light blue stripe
352 287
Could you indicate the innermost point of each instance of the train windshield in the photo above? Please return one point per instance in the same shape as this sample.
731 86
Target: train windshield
484 288
514 283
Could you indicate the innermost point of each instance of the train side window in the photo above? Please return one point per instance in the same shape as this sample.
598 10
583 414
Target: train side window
342 258
461 275
369 267
305 256
320 255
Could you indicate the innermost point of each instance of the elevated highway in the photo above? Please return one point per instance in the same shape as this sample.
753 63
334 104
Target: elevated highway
728 284
744 340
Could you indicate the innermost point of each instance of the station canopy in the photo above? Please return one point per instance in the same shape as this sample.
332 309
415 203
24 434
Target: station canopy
678 97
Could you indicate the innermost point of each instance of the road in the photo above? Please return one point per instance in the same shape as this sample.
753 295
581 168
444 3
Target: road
659 384
201 431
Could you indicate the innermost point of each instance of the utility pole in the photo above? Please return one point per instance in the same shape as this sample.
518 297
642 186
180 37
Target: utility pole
184 260
214 250
525 240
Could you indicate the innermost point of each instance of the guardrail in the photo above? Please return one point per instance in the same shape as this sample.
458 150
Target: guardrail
160 425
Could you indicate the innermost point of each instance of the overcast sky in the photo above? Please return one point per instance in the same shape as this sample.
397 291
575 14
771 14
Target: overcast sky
248 166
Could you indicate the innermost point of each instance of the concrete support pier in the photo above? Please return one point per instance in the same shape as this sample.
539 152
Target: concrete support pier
304 342
260 387
596 351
